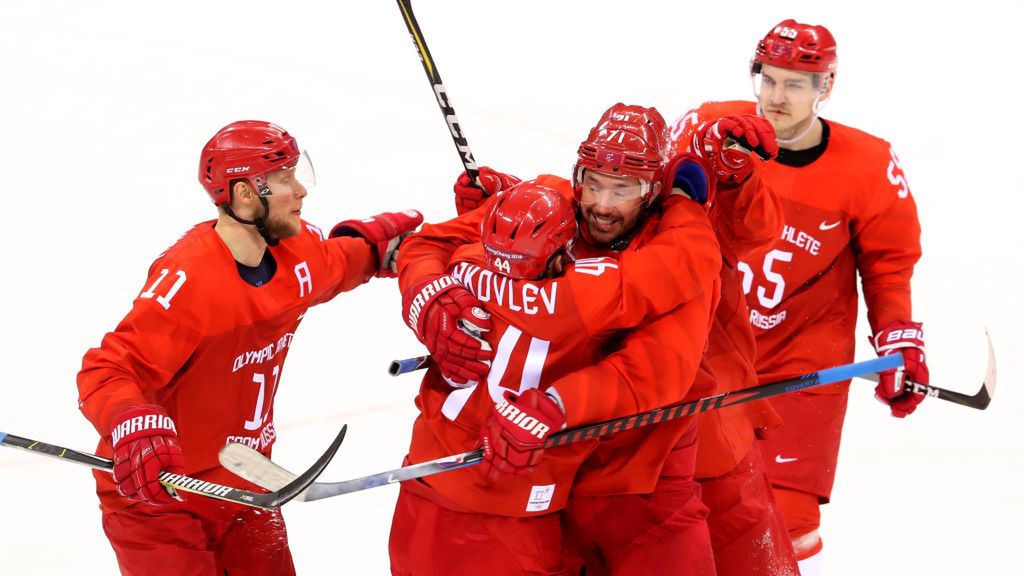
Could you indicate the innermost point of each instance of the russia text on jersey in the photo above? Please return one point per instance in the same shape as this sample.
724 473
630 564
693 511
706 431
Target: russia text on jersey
766 322
265 438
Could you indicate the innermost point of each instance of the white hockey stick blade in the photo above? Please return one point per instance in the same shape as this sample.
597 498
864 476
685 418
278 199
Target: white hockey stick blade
250 465
979 401
258 469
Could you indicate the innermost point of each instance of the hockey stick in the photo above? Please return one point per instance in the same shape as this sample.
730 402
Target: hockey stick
399 367
256 468
461 144
275 499
980 400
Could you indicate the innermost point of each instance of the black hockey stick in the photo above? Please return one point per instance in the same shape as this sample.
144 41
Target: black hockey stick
256 468
461 144
269 501
979 400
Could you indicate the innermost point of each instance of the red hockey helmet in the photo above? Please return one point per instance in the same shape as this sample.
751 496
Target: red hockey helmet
797 46
627 141
247 149
527 225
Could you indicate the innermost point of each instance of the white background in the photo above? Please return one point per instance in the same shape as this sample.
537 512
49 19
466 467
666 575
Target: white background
105 107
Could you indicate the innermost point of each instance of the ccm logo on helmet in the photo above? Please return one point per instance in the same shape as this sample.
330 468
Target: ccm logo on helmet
237 170
528 423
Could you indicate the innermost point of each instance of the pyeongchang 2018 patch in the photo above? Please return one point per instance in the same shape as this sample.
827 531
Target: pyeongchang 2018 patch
540 498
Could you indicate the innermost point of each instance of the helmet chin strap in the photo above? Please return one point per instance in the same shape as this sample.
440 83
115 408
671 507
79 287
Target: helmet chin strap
259 222
819 103
810 124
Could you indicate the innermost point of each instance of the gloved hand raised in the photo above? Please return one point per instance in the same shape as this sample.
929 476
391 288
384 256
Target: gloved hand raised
726 145
469 197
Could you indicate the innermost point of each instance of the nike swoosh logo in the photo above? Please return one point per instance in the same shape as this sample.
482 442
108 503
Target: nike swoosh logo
826 226
781 460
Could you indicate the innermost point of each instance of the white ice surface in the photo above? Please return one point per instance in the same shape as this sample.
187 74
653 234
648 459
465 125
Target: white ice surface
105 106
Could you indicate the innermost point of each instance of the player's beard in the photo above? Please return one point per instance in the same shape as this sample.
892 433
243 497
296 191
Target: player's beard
283 226
608 226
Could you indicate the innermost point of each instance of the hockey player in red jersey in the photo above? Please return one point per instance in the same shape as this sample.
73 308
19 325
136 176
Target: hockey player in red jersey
545 322
197 361
631 498
643 525
617 521
847 210
748 533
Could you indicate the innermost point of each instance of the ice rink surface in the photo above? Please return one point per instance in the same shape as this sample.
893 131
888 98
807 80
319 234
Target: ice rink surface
105 107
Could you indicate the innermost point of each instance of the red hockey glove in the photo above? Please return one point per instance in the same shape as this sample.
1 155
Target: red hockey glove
449 321
385 233
726 146
906 337
145 444
469 197
513 436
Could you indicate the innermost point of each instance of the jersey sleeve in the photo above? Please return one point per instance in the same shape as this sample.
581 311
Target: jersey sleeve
747 219
654 364
349 261
141 355
887 244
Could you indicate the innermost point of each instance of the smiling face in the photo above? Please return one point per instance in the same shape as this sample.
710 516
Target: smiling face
787 97
610 205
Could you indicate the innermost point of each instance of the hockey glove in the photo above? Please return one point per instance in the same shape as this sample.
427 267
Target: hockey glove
727 143
385 233
513 436
449 321
469 196
146 444
687 176
906 337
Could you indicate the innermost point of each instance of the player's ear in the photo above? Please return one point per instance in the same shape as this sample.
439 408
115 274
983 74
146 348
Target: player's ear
828 81
240 189
556 265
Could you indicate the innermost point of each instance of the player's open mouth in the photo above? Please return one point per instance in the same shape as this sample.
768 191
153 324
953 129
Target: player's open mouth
603 224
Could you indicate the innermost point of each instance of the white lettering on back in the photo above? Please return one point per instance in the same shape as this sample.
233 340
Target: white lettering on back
518 296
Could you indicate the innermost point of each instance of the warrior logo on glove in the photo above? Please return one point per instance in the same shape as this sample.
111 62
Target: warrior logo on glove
522 419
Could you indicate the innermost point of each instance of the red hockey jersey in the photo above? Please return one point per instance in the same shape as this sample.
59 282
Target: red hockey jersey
849 211
209 347
638 376
747 220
